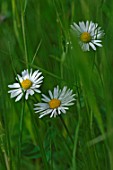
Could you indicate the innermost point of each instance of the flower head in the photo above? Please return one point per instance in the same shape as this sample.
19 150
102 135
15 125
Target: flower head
56 103
89 35
27 84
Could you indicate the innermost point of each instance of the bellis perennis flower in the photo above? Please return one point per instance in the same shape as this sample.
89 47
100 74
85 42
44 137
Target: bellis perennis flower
89 35
56 103
27 84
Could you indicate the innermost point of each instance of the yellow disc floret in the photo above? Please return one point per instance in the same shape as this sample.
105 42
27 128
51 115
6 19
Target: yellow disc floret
85 37
54 103
26 84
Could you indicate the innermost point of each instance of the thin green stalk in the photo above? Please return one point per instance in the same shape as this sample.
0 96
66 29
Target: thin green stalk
61 63
46 72
50 145
51 158
16 22
5 131
23 32
11 58
4 152
20 133
76 136
91 120
38 47
2 141
66 129
6 159
38 138
75 147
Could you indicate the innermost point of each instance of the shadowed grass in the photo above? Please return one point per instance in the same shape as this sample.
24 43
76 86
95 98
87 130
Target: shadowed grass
34 34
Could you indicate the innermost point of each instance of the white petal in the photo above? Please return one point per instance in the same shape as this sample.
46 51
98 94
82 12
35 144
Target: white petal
31 72
46 99
92 45
26 95
51 95
59 112
100 45
38 80
62 109
16 93
91 25
87 26
76 27
65 108
96 41
35 74
66 102
82 26
43 105
19 97
19 78
63 92
30 91
54 110
84 47
87 47
35 86
45 113
55 93
55 114
15 85
24 73
37 110
13 90
37 91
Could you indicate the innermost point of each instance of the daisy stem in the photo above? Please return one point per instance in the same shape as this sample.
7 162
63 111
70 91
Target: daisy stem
74 160
51 155
66 129
38 138
20 133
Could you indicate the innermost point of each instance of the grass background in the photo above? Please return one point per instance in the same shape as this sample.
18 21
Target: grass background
35 34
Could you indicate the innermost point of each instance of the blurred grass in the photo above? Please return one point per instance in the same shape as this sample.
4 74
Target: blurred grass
42 29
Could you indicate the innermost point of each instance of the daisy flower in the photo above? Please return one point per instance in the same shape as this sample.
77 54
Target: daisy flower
27 84
56 103
89 35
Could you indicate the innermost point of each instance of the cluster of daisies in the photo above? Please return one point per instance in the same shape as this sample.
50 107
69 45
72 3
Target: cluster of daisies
89 35
29 83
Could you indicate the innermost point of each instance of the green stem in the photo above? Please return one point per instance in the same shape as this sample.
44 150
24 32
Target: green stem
38 138
66 129
7 139
23 32
20 134
75 148
51 141
4 152
6 160
74 157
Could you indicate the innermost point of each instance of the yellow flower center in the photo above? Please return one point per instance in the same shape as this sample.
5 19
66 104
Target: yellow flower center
85 37
26 84
54 103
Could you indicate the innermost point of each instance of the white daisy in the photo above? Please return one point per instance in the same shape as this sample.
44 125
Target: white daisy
27 84
89 35
58 102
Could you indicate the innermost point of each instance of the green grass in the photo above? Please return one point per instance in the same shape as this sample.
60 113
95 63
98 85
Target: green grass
33 34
